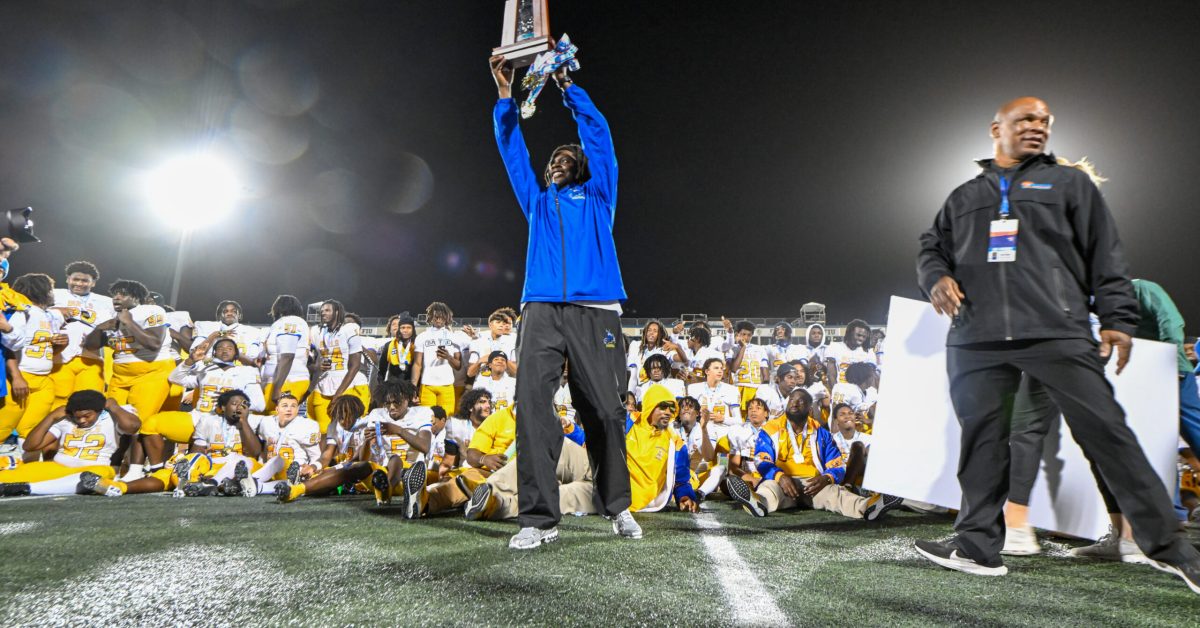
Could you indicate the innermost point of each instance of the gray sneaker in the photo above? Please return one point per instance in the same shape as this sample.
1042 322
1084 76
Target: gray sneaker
624 525
532 538
1112 547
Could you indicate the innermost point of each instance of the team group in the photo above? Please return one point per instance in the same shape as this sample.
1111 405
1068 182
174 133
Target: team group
103 384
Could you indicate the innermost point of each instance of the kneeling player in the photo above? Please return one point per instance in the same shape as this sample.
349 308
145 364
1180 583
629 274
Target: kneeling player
802 467
85 432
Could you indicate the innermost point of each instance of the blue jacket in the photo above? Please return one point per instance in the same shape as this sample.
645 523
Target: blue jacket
581 215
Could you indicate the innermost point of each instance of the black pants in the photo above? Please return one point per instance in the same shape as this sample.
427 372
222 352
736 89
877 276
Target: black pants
983 380
1034 417
591 339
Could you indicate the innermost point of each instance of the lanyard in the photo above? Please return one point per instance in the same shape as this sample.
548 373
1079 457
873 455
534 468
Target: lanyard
1004 197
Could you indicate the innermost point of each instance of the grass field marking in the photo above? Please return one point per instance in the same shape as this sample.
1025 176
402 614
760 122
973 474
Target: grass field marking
9 500
18 527
748 601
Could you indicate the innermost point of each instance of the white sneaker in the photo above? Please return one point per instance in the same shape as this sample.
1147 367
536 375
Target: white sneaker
1112 547
532 538
1021 542
624 525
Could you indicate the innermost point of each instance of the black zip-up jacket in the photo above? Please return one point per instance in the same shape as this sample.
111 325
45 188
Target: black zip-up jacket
1067 251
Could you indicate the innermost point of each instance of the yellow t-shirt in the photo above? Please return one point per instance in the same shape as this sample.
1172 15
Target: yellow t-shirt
496 433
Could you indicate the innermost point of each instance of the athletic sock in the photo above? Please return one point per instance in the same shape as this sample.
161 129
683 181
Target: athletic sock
60 486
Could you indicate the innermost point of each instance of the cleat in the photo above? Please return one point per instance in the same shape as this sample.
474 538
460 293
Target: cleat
14 489
414 483
481 504
878 504
92 484
741 493
1021 541
466 485
947 555
182 470
283 492
382 486
248 487
229 487
532 538
199 489
624 525
293 473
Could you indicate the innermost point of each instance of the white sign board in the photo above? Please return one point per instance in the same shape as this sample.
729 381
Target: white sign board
915 441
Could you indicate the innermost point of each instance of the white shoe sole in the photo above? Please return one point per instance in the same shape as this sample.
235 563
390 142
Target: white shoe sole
632 535
1172 570
1020 552
545 538
741 493
964 566
414 483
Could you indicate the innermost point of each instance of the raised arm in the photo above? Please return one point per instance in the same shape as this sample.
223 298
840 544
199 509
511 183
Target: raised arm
596 139
505 118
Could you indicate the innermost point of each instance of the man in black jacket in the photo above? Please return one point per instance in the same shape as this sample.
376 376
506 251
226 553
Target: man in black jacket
1013 257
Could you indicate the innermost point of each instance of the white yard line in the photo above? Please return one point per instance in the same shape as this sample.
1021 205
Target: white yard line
21 526
748 600
8 500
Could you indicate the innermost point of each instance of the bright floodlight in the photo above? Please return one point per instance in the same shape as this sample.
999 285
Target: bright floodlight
192 191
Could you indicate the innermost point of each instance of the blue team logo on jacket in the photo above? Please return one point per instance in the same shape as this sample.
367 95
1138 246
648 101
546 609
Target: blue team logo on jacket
610 341
1030 185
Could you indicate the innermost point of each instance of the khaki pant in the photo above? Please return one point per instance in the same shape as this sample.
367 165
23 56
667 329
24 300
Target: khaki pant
575 489
444 495
833 498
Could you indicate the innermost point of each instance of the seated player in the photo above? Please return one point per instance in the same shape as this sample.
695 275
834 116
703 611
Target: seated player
658 370
852 443
229 325
741 441
497 381
84 434
858 392
353 447
801 467
37 342
493 448
443 493
228 437
659 469
339 363
499 337
285 349
291 445
210 378
407 437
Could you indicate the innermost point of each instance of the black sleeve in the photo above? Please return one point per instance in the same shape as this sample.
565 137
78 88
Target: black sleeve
381 369
1108 274
935 259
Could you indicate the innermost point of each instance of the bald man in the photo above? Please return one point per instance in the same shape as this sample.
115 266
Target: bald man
1013 257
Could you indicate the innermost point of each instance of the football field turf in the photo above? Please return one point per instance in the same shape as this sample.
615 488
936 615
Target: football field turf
154 560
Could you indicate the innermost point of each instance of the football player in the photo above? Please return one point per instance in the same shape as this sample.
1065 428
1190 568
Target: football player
82 309
37 341
339 355
142 357
229 324
286 347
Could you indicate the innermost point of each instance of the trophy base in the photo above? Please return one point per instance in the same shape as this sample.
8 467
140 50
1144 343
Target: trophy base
522 53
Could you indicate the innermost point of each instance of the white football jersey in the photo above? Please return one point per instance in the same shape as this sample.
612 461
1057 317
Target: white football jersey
703 354
179 321
563 408
672 384
503 390
723 402
87 448
210 379
298 441
248 339
483 346
337 347
218 436
126 351
635 361
853 396
417 419
287 335
749 371
844 356
38 327
90 310
460 431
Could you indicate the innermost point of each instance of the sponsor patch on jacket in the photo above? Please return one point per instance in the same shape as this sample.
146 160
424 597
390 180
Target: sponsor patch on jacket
610 341
1030 185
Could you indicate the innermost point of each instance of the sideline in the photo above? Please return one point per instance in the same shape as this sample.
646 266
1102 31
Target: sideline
748 601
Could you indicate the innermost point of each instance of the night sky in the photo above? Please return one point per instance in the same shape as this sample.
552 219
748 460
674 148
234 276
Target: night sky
771 153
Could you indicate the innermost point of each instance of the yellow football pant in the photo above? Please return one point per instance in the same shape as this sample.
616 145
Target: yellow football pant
174 426
318 404
143 385
439 396
25 416
297 388
30 472
78 374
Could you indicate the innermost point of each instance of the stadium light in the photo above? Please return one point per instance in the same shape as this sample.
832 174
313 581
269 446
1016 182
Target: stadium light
191 192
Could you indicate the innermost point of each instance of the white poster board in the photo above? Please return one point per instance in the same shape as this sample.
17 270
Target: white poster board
915 441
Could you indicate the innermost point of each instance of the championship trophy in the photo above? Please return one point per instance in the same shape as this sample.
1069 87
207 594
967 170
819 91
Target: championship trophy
526 31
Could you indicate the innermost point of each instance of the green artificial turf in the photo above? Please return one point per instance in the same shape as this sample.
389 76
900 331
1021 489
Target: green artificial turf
154 560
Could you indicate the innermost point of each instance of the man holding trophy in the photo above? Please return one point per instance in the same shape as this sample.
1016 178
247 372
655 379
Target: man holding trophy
570 305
